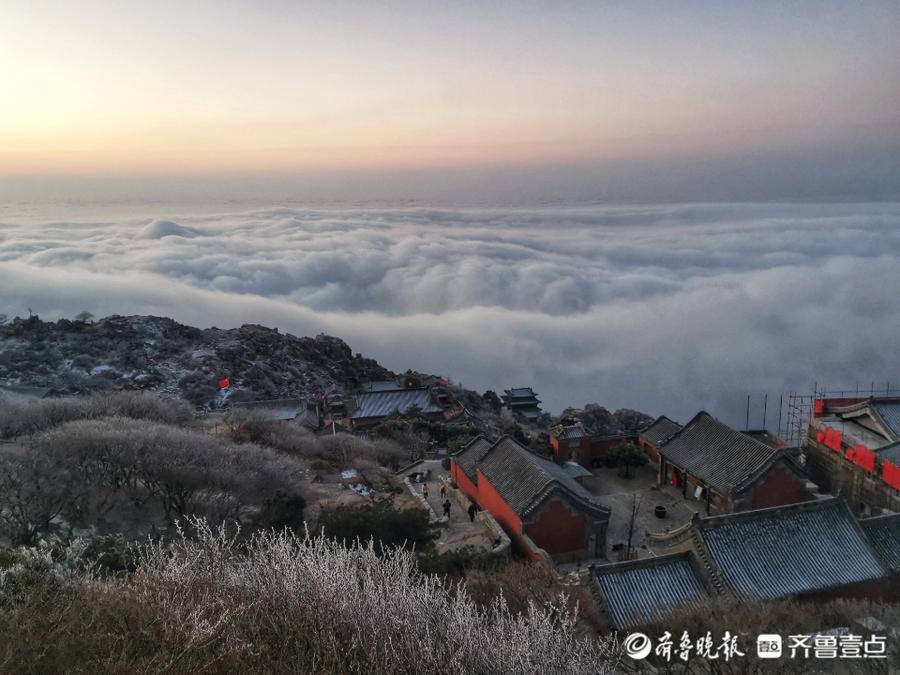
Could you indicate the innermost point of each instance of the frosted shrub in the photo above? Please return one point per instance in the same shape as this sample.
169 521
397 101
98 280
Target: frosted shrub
329 608
17 419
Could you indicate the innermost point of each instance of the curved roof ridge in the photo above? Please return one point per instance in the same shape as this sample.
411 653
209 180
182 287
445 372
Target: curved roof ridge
834 501
524 479
718 455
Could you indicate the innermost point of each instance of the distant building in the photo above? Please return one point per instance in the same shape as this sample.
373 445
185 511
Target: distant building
375 406
729 470
540 505
657 432
523 403
295 410
571 443
336 406
811 551
384 385
853 449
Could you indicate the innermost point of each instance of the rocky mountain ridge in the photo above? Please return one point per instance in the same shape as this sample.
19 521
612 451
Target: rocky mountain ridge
161 355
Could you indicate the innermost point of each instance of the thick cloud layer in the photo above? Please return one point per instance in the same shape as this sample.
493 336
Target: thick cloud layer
667 309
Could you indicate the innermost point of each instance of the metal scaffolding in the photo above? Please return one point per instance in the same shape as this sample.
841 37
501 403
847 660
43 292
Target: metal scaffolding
797 408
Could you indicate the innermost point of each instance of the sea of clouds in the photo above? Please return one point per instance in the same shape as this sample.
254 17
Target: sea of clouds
668 309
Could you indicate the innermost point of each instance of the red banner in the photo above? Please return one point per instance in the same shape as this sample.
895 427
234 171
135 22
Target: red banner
833 439
862 456
891 474
224 383
818 406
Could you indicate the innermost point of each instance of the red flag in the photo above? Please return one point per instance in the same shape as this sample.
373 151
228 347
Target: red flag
224 383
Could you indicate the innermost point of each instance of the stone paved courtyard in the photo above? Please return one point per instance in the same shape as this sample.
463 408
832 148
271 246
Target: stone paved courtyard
616 493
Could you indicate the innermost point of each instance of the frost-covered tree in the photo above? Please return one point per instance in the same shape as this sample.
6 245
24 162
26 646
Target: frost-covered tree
210 601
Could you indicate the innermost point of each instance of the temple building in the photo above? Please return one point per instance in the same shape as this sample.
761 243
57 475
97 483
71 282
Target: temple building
571 443
540 505
853 450
523 403
815 551
728 470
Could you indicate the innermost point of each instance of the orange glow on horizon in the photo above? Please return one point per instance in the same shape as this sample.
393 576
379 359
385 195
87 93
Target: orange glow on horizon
94 88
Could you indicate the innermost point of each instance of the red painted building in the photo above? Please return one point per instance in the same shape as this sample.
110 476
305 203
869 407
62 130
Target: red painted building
573 444
853 449
539 504
463 463
729 470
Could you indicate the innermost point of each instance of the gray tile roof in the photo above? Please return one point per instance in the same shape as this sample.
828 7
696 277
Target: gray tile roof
890 453
788 550
571 433
765 437
884 536
888 412
469 456
851 431
645 591
717 454
276 410
523 479
384 385
575 470
520 392
378 404
661 428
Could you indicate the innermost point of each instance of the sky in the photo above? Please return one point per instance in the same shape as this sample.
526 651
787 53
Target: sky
568 90
663 206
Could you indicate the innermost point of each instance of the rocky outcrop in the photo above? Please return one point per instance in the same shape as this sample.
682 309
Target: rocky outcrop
159 354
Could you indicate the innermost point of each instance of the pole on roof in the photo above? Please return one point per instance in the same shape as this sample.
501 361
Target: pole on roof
780 409
747 423
765 405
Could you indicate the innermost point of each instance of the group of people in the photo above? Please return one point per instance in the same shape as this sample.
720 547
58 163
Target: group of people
445 503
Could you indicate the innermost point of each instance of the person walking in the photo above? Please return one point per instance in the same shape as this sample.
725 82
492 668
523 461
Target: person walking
446 508
443 491
472 511
425 491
